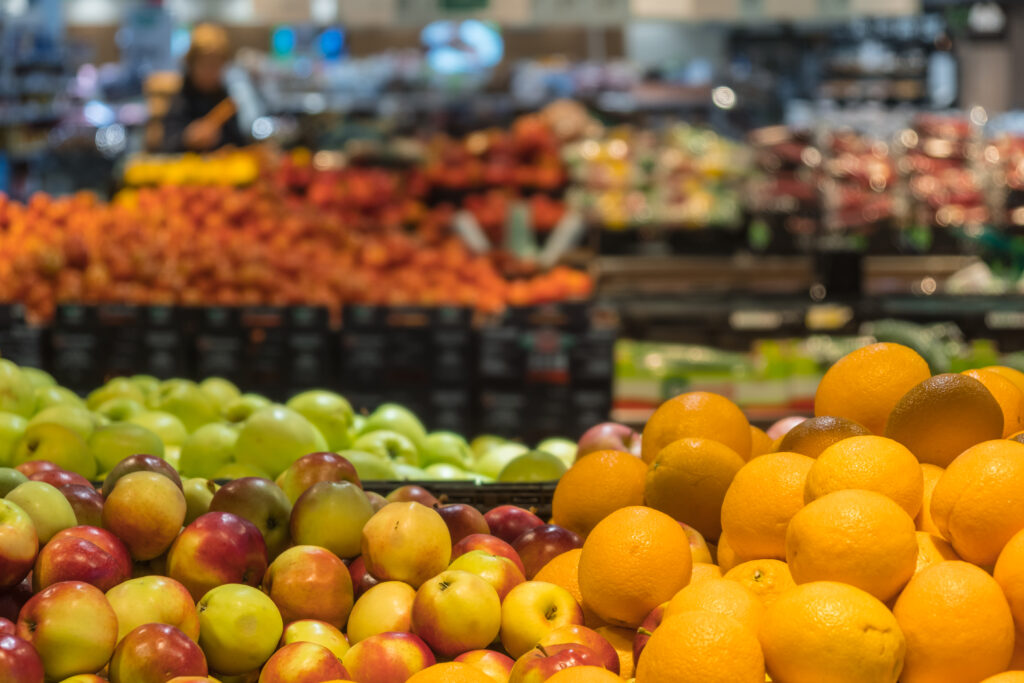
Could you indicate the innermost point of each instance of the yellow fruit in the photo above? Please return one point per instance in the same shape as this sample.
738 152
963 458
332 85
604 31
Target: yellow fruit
826 631
767 579
701 647
635 559
725 555
450 672
702 571
1009 397
595 486
1006 677
622 640
857 537
688 480
697 414
957 625
924 522
943 416
761 500
1009 574
978 504
812 436
760 443
873 463
865 385
585 674
721 597
1012 374
564 570
932 549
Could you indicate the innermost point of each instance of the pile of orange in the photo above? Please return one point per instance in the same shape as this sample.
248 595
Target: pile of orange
881 541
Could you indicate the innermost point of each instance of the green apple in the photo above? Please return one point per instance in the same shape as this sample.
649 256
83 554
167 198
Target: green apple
198 494
274 437
239 628
485 443
533 466
396 418
46 505
404 472
329 412
369 466
75 418
172 454
168 427
219 390
239 409
388 444
446 447
491 463
119 387
17 395
207 449
46 397
38 378
186 401
358 422
147 384
119 409
60 445
237 470
563 449
10 479
114 442
443 471
12 428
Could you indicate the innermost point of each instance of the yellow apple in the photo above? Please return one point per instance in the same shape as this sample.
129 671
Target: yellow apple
239 628
319 632
533 609
456 612
384 608
153 600
406 542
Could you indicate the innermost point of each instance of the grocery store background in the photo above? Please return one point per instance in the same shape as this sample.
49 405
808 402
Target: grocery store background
515 216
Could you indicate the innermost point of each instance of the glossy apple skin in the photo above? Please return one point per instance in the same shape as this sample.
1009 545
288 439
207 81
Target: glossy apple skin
152 653
509 522
646 628
156 600
146 511
216 549
412 493
32 466
406 542
388 658
362 580
319 632
575 633
496 570
18 544
19 662
82 553
313 468
540 664
302 663
489 544
307 582
533 609
72 627
540 545
140 463
331 514
239 629
8 627
59 478
384 608
261 502
463 520
609 436
87 503
494 664
456 612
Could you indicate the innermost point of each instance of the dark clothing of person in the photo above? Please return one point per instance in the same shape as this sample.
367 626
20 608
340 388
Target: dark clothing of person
190 105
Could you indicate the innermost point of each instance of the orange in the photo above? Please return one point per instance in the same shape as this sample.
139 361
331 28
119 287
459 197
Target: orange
826 631
857 537
924 522
725 555
1009 397
688 480
450 672
760 443
943 416
564 570
584 674
932 549
865 385
722 597
1006 677
767 579
1017 662
761 500
812 436
597 484
978 504
696 414
957 624
622 640
1009 574
635 559
1012 374
873 463
702 571
701 647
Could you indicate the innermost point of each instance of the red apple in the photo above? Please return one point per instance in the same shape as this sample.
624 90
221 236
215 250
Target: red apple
646 628
83 553
18 544
509 522
302 663
494 664
362 580
489 544
463 520
496 570
261 502
313 468
87 503
541 663
540 545
387 658
139 463
609 436
32 466
216 549
60 478
154 653
576 633
307 582
12 599
411 493
19 662
8 627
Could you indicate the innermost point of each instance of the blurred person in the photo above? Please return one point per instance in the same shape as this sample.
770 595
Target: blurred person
203 116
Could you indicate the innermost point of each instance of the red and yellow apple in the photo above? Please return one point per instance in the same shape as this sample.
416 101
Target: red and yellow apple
388 658
492 663
18 544
574 633
489 544
313 468
216 549
153 600
302 663
145 510
307 582
152 653
362 580
19 662
533 609
541 663
261 502
319 632
646 629
86 502
385 607
698 546
406 542
83 553
456 612
498 571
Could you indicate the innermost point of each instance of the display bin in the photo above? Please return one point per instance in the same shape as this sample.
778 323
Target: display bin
535 497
